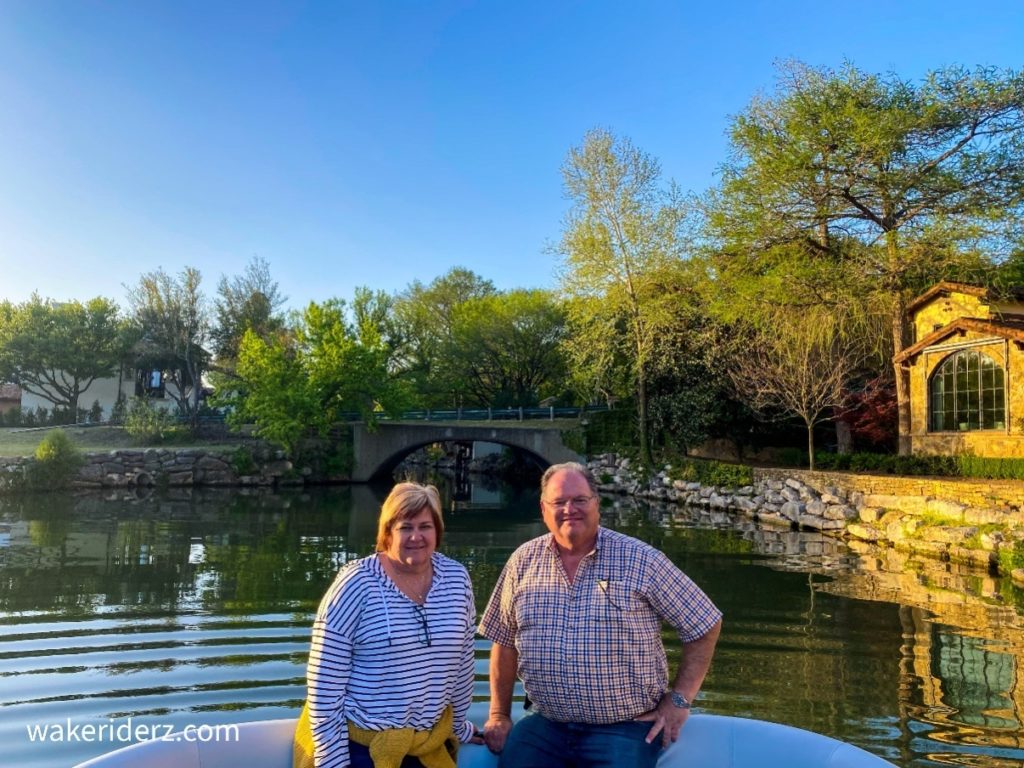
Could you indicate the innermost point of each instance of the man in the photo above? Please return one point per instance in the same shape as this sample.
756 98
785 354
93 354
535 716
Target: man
577 614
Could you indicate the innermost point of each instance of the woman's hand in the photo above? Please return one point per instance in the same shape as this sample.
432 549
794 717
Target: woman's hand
477 737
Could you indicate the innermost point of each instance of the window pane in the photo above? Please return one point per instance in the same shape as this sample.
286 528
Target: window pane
967 391
988 413
988 377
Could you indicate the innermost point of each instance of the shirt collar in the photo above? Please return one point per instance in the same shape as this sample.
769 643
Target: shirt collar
377 568
551 545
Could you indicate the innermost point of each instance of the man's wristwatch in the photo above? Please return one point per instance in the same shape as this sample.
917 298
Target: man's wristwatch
679 700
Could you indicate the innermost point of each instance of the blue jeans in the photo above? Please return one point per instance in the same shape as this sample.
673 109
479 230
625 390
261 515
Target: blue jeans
536 742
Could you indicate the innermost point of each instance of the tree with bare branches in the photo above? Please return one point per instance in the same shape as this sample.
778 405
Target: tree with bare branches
798 365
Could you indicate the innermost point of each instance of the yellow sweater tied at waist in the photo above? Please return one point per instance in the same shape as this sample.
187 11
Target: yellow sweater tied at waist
388 747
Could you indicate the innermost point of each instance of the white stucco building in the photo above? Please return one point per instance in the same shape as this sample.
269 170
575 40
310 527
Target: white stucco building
131 382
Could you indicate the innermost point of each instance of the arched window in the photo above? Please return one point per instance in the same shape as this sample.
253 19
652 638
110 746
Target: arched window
967 391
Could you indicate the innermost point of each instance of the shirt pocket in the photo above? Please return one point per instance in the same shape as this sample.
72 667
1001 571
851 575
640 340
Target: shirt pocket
617 600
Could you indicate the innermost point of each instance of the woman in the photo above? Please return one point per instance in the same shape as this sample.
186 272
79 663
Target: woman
391 659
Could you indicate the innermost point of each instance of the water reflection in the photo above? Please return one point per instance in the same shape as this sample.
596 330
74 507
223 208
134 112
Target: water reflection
192 605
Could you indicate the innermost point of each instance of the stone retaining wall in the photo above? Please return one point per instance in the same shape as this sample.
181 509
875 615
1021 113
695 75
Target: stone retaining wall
168 467
1002 494
968 521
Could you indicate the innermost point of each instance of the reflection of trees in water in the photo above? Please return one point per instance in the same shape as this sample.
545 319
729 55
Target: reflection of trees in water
459 473
937 642
960 651
806 658
958 631
88 551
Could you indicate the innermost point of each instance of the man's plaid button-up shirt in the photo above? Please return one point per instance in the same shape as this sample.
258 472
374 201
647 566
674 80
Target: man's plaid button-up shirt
591 651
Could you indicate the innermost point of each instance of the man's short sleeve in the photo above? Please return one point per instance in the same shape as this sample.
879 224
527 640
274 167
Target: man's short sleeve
678 600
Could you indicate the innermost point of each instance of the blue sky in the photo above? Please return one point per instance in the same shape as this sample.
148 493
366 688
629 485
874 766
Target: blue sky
375 143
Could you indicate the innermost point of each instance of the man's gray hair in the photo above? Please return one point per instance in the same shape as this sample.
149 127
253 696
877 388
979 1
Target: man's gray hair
568 466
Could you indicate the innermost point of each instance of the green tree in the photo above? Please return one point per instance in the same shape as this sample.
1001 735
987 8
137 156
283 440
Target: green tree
909 181
689 398
621 240
278 396
425 317
506 348
336 360
250 301
171 316
56 350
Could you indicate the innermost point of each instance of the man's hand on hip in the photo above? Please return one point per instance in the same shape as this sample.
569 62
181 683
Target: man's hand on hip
667 719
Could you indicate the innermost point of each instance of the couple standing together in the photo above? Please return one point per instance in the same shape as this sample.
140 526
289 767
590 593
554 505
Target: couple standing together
576 615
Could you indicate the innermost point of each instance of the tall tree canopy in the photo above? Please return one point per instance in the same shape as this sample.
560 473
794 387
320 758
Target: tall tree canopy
56 350
337 359
425 316
250 301
898 183
171 314
621 241
506 348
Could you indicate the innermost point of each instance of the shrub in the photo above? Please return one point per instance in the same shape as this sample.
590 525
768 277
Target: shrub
96 412
716 473
729 475
120 408
575 439
57 461
147 423
613 430
1011 558
340 459
978 466
242 462
12 418
961 465
60 416
793 457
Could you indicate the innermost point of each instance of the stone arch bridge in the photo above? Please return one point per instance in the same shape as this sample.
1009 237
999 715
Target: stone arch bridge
377 453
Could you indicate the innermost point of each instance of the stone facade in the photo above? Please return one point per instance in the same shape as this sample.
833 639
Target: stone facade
949 318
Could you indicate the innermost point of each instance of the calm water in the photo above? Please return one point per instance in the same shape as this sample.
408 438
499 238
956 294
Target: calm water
195 609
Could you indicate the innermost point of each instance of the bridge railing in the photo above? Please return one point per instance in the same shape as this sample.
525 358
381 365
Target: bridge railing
488 414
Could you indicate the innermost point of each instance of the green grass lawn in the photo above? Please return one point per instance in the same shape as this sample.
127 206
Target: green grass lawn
23 442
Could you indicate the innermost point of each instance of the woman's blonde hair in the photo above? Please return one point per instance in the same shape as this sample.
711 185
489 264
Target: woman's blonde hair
405 501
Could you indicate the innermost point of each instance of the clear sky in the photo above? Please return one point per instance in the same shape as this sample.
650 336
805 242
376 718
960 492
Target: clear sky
378 142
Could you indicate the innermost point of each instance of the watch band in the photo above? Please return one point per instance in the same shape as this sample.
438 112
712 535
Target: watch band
679 700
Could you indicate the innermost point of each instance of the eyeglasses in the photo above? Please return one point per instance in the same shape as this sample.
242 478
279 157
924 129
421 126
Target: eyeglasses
421 615
577 502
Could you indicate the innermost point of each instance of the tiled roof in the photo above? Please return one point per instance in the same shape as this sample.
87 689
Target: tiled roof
1006 328
946 287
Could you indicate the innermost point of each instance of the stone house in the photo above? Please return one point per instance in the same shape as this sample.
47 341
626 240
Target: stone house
10 397
966 365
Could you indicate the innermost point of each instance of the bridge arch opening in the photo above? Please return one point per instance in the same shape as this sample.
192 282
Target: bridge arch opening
386 468
378 451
